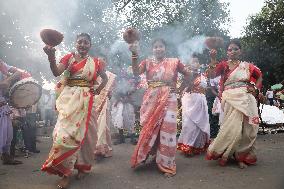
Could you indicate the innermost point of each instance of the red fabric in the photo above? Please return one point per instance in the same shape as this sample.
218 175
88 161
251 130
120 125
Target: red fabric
59 170
57 167
246 158
180 67
186 149
143 65
255 74
83 168
77 66
65 59
223 69
212 155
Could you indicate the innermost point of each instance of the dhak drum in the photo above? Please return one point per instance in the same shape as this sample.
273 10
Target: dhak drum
25 93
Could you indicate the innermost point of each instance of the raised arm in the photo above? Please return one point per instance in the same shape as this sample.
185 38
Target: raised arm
57 70
213 63
137 70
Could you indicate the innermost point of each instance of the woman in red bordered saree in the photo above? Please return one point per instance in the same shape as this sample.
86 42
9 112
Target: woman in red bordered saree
239 128
159 108
74 140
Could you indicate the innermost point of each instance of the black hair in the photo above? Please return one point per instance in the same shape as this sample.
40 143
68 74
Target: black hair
85 35
159 40
235 42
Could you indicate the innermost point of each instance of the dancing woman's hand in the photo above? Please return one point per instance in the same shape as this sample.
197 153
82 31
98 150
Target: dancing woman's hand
134 47
213 54
50 51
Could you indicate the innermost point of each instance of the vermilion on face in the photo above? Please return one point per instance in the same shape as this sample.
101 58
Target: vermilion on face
233 52
83 45
159 50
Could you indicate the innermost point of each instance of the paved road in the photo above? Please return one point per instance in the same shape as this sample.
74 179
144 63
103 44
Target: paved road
192 173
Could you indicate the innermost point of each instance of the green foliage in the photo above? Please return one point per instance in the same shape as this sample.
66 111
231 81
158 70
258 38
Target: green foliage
264 41
105 21
197 17
175 20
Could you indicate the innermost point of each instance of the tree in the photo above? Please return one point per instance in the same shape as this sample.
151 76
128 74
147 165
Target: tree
197 17
176 21
264 41
105 21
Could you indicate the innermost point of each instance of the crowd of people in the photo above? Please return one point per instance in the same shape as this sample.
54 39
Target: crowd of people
220 114
275 97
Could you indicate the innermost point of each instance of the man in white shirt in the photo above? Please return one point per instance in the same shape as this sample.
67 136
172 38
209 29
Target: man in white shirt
270 95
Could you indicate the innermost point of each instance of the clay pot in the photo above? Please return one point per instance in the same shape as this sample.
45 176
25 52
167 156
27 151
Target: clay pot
51 37
131 35
214 42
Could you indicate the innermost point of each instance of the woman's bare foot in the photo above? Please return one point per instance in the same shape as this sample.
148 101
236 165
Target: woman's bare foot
81 175
169 175
242 165
63 183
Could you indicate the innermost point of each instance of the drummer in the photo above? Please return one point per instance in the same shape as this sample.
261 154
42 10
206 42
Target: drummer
6 130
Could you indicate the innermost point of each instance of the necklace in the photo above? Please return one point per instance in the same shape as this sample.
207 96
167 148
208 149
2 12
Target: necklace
234 62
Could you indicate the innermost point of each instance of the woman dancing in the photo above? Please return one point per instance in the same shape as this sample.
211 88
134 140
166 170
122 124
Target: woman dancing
159 108
195 134
239 127
74 141
102 106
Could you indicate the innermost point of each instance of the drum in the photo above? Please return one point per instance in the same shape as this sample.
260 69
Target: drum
25 93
